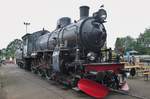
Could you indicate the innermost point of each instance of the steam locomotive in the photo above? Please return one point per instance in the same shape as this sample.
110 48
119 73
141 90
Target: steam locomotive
72 54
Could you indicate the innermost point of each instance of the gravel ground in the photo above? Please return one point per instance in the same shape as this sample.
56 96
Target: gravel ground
16 83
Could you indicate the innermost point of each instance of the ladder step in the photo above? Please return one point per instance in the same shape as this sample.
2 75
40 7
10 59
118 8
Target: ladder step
76 88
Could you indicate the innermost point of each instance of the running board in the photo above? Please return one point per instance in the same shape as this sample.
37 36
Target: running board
76 88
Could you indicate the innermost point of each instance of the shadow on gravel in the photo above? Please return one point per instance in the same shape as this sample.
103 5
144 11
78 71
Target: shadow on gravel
3 93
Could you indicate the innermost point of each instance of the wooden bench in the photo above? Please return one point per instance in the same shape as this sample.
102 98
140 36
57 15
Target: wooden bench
146 75
125 63
129 67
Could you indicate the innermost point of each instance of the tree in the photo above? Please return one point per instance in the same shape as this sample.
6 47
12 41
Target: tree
141 44
124 44
12 47
119 45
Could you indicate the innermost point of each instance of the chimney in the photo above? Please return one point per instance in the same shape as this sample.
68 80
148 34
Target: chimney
84 12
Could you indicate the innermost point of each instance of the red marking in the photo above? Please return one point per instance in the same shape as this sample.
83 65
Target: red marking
103 67
93 88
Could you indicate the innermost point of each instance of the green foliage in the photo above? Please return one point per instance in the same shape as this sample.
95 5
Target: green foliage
11 48
141 44
146 33
2 53
124 44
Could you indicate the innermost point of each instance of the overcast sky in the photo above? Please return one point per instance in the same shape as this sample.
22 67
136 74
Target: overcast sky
125 17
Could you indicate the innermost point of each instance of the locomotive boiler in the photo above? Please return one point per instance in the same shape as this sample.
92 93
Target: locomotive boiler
72 55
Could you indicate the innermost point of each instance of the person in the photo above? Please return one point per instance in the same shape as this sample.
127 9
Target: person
110 55
117 58
132 60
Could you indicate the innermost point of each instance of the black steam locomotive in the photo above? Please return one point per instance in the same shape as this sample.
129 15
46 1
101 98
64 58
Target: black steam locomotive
72 55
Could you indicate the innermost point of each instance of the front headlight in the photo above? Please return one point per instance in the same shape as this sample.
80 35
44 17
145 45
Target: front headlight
91 56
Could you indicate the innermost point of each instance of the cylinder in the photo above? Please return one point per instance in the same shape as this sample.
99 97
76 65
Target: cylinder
84 12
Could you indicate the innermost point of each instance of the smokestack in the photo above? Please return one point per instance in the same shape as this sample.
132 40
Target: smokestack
84 12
